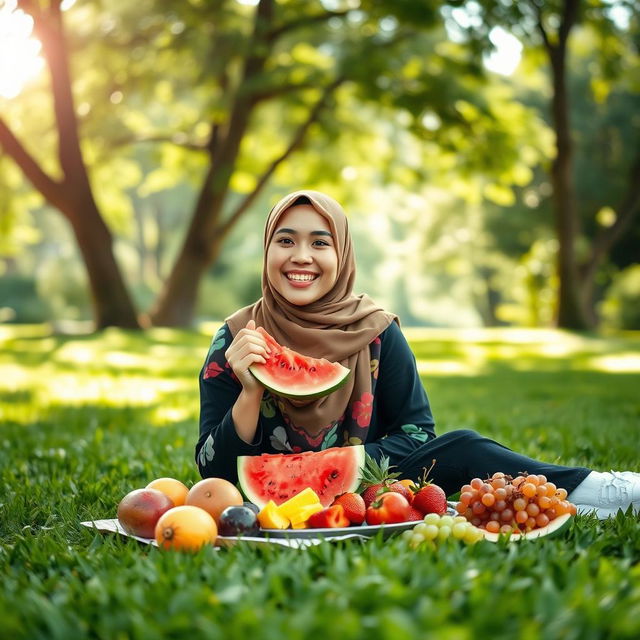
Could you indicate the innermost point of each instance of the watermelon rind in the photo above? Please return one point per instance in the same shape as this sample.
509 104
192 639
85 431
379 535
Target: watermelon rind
555 527
303 470
317 390
327 377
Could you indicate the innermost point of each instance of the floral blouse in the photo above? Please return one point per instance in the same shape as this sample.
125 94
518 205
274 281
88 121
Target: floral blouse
392 420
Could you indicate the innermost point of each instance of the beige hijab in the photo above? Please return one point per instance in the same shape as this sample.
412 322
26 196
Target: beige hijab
339 326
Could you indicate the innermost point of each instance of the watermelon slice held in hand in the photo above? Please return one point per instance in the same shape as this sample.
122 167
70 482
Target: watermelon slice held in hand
289 374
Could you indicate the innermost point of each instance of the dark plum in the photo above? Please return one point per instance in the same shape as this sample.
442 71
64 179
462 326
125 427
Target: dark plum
254 507
238 521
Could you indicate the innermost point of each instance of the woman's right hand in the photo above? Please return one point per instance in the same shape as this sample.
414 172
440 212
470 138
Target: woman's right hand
247 348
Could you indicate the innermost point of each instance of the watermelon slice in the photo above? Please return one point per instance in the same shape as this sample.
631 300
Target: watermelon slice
556 526
280 476
289 374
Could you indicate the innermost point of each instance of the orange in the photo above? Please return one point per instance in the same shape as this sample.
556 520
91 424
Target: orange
185 528
214 495
172 488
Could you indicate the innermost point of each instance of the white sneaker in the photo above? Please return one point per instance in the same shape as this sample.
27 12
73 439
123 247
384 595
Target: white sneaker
611 492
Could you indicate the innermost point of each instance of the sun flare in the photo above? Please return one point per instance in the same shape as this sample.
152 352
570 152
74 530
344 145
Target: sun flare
20 60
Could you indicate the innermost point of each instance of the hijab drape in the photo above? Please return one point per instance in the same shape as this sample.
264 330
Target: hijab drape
339 326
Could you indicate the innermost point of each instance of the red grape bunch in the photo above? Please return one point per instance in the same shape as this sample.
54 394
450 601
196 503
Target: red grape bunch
504 504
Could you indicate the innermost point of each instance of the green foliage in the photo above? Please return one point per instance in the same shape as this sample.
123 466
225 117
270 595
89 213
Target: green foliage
88 418
153 82
20 292
620 306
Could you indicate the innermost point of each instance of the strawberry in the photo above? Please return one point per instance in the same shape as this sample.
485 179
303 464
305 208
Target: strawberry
376 476
353 505
430 499
371 493
330 518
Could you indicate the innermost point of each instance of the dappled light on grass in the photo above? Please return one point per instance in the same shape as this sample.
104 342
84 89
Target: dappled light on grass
467 352
80 433
169 415
619 363
111 369
108 390
446 368
13 377
75 354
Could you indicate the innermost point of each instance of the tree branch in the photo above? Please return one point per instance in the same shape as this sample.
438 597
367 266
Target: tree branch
224 149
177 139
295 143
569 18
216 127
537 8
31 7
48 27
282 90
627 210
49 188
304 21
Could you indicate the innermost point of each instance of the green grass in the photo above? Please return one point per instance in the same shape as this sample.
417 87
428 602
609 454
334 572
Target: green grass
85 419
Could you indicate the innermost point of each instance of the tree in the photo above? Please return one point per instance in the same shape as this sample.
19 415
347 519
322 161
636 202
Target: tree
202 80
241 69
549 25
72 194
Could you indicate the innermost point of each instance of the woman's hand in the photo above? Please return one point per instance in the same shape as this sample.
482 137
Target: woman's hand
248 347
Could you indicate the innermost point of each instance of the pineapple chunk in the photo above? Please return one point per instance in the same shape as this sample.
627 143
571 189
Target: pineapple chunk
305 498
299 519
271 518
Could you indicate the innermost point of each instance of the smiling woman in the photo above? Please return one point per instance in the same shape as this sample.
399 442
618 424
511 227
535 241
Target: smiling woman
20 60
308 305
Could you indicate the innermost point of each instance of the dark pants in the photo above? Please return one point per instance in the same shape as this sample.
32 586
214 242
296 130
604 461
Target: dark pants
464 454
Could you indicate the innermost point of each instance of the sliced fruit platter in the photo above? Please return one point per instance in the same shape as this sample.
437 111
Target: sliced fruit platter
340 493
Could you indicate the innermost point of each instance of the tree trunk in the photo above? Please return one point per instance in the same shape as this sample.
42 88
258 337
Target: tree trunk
176 304
570 313
176 307
72 195
112 305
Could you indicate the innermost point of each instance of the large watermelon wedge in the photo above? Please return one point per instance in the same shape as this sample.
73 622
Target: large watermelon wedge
289 374
280 476
554 528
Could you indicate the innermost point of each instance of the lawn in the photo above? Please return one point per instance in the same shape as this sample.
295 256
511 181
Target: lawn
85 419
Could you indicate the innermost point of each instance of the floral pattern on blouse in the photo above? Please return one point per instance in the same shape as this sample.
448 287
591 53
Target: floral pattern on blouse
362 409
414 432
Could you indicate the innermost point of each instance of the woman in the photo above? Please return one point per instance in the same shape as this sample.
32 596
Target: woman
308 305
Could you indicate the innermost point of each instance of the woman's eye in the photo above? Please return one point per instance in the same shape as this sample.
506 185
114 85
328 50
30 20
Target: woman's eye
285 241
321 243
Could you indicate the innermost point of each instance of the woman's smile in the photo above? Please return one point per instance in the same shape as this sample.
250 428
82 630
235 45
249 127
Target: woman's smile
302 263
301 279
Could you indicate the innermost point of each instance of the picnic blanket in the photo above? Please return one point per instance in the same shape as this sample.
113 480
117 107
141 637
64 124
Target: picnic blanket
113 526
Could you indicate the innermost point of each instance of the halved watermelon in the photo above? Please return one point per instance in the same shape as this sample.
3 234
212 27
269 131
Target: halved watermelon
556 526
289 374
280 476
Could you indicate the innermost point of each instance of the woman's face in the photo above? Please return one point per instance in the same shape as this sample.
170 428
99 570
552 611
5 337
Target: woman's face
302 263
